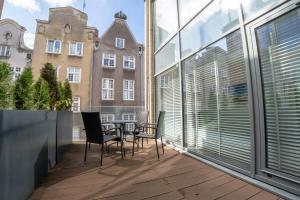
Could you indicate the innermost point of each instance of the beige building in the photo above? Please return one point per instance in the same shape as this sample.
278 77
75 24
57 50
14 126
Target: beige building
67 42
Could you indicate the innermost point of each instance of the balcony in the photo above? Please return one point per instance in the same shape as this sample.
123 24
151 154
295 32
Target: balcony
175 176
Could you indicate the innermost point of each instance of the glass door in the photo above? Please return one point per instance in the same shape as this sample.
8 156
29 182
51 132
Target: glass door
276 59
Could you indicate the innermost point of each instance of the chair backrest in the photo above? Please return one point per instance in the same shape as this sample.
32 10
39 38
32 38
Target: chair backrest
160 124
142 117
92 125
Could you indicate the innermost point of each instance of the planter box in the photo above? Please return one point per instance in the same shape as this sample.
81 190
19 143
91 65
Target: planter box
30 143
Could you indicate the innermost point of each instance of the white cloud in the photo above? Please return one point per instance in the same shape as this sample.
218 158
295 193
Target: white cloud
29 39
30 5
61 2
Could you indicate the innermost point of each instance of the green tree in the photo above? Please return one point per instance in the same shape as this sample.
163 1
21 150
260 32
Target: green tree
48 74
64 96
68 94
23 92
41 97
5 86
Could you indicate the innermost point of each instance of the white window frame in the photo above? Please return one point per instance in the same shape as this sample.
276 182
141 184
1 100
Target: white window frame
57 68
107 89
130 60
129 117
164 81
127 90
110 57
76 53
72 70
6 51
16 73
76 99
117 42
106 118
53 48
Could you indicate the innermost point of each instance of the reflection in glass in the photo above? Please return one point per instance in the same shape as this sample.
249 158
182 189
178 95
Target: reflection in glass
279 55
219 17
252 7
166 20
188 8
168 99
216 102
168 55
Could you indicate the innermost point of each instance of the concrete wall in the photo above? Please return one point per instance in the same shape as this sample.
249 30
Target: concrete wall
30 143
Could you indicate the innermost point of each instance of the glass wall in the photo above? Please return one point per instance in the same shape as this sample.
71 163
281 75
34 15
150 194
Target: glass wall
216 102
166 23
218 18
279 54
169 100
252 7
168 55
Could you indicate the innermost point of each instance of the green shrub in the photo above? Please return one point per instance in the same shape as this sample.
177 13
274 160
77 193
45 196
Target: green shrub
48 74
5 86
41 97
64 96
23 92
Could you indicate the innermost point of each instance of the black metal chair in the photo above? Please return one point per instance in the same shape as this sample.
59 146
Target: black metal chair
141 132
95 133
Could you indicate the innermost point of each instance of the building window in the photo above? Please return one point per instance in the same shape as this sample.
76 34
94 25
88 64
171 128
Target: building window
128 62
120 43
128 90
16 72
57 68
74 74
109 60
4 51
76 104
129 117
107 118
76 48
164 81
53 46
107 89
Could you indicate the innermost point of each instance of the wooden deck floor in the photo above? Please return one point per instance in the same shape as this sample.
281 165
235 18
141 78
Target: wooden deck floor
174 177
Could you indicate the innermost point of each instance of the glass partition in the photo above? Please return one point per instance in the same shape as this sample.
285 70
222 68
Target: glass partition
168 99
165 20
168 55
218 18
252 7
216 102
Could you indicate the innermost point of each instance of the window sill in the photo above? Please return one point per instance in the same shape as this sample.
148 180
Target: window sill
107 99
53 53
128 100
129 69
107 67
74 55
74 82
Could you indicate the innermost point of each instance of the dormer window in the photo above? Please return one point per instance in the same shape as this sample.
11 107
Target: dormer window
120 43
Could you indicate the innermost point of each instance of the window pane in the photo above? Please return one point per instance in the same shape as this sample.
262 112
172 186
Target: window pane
168 55
279 47
169 100
219 17
252 7
50 45
188 8
165 20
216 102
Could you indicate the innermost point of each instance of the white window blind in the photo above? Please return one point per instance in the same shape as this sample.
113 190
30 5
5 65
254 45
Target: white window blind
279 54
216 102
169 100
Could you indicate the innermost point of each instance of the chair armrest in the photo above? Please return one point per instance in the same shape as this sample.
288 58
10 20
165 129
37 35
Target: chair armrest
111 129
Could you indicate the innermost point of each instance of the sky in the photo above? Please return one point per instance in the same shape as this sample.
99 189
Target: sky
100 14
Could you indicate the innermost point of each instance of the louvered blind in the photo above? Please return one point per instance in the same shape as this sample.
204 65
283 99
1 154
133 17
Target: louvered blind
215 87
168 99
279 53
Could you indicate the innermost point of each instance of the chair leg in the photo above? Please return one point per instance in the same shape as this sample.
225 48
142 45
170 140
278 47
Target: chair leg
122 152
133 142
147 140
162 145
102 151
89 146
142 143
138 144
86 144
157 149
